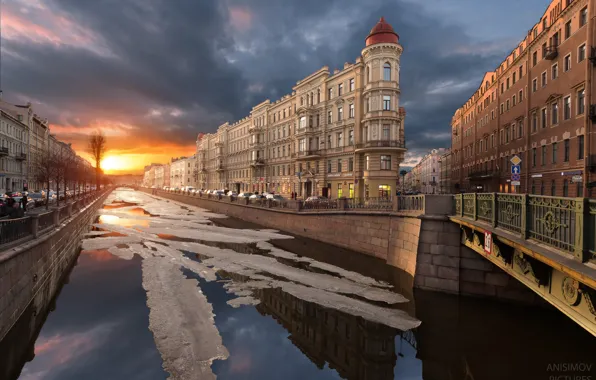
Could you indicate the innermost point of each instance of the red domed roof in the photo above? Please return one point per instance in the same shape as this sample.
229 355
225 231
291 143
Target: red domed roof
382 33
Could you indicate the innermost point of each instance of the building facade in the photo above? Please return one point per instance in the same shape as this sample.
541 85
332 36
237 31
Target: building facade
537 105
445 169
182 171
13 157
337 134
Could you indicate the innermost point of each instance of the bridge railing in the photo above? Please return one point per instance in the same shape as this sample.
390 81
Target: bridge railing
567 224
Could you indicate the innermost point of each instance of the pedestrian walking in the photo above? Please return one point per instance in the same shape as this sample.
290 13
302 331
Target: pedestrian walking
24 202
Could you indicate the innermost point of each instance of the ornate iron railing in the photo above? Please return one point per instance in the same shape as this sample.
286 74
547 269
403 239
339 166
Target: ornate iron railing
14 229
567 224
552 221
469 205
46 220
384 204
510 214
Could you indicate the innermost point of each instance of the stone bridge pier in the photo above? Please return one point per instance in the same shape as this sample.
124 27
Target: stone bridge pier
429 246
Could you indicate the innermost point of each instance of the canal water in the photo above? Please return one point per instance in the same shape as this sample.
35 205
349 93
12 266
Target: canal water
164 289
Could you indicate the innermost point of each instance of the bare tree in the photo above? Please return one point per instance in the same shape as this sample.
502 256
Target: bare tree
97 148
58 170
67 165
43 171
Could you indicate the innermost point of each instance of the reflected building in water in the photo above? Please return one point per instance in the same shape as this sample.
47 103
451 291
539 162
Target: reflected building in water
354 347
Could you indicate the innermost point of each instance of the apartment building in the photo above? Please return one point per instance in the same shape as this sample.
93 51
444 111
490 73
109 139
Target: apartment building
182 172
445 170
537 105
337 134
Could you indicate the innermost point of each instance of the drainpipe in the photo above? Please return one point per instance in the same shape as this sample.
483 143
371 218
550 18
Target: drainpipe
588 99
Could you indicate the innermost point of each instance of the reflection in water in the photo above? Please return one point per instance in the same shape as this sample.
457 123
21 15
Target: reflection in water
99 327
124 222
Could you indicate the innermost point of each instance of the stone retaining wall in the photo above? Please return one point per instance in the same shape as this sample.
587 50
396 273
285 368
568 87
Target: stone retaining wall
31 274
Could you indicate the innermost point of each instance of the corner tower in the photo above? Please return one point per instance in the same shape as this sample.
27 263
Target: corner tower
382 140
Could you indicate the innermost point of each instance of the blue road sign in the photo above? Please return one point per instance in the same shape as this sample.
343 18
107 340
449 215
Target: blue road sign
515 169
515 177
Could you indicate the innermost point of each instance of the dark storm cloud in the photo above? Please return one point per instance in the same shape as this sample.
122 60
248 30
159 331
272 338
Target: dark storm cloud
201 63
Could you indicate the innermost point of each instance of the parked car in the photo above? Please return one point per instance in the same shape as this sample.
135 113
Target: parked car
256 196
276 198
232 193
244 195
316 199
35 199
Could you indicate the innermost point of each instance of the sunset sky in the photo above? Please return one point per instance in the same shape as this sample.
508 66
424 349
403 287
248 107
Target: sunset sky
152 74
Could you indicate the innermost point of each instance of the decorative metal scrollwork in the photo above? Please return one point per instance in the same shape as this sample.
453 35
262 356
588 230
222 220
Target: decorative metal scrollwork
469 206
509 213
551 223
529 265
485 209
588 295
570 291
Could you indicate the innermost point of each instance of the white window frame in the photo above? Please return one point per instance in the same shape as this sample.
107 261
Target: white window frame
565 61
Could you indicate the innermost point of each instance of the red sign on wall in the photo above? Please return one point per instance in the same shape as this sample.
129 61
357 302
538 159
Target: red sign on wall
488 242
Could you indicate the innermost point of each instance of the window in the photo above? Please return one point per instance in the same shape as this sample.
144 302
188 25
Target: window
533 188
521 95
384 192
543 115
580 147
583 17
581 94
553 187
340 89
502 108
514 99
520 130
554 71
567 63
521 68
385 162
351 137
581 53
507 104
543 155
554 157
352 84
567 108
340 113
534 122
339 195
533 157
544 50
541 187
508 83
544 25
330 117
554 113
566 150
543 79
339 165
351 164
534 85
302 145
367 163
351 110
580 189
535 58
386 131
340 136
387 71
386 103
302 122
351 190
514 76
568 29
328 166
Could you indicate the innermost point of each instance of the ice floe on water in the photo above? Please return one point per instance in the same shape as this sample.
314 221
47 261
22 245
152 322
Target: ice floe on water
169 236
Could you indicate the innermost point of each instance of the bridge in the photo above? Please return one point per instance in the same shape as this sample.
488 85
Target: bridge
547 243
459 244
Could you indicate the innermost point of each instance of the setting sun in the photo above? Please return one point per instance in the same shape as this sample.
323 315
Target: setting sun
113 163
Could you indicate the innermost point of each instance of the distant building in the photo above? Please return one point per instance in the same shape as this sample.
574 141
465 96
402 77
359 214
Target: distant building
182 171
445 173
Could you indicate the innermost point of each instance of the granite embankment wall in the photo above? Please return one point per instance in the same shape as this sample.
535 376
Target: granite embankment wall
32 272
426 244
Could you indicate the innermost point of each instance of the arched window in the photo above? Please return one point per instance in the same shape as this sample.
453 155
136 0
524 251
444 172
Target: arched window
387 71
318 95
367 74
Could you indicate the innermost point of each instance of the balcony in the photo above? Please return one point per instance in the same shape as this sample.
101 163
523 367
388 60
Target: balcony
308 154
3 151
483 174
21 156
381 114
551 53
258 162
220 168
219 143
381 145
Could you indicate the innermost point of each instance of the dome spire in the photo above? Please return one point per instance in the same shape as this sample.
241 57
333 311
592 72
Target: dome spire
382 32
